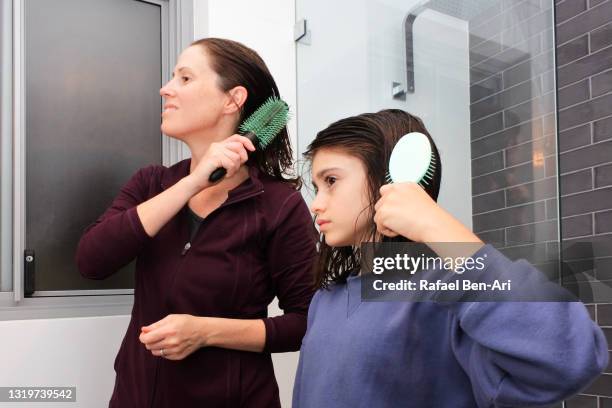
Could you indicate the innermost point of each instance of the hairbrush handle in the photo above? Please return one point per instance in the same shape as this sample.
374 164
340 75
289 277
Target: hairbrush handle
220 172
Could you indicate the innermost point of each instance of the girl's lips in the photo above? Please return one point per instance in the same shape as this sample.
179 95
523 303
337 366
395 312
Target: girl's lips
321 223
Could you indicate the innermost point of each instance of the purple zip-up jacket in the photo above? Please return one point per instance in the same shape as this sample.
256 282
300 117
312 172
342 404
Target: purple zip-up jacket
259 244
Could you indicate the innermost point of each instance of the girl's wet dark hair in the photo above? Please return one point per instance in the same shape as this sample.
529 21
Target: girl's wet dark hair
370 137
238 65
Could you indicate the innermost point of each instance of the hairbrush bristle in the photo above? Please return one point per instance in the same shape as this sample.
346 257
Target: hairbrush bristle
267 121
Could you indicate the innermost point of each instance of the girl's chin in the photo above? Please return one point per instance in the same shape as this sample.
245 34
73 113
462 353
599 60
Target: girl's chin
333 241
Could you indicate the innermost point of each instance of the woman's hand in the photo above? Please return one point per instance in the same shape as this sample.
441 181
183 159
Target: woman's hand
178 335
230 154
406 209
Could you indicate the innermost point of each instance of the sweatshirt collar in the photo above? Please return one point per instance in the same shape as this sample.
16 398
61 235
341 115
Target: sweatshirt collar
249 187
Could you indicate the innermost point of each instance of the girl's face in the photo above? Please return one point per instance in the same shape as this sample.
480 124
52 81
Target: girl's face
193 100
341 202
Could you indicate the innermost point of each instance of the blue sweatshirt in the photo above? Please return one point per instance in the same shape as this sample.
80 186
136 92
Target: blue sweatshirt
426 354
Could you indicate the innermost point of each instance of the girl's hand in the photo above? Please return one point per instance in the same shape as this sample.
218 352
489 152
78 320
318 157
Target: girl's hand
231 153
178 335
406 209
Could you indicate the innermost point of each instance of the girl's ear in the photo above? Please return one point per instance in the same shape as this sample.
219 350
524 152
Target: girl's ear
237 98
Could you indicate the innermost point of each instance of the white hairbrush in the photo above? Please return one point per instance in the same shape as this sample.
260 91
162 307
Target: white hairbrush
412 159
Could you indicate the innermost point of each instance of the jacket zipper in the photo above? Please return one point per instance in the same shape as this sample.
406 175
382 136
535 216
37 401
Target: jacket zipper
184 251
187 245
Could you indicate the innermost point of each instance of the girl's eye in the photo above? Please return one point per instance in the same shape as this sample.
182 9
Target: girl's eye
185 79
329 180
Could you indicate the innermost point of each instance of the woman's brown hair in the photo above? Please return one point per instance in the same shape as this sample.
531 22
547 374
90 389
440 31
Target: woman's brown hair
238 65
370 137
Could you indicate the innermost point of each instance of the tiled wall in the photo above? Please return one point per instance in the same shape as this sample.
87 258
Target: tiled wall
514 165
584 69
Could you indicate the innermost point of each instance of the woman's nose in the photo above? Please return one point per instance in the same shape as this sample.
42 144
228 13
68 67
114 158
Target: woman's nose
166 90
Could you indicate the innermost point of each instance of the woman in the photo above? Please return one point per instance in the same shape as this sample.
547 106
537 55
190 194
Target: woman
210 257
421 354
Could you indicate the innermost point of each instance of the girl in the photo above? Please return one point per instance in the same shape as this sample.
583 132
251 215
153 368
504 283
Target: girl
420 354
209 258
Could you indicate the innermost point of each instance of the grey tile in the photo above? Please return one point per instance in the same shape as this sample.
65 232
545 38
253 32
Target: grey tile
585 112
592 64
530 192
536 232
585 157
526 151
602 129
486 88
602 83
575 137
488 202
589 201
509 97
585 22
509 216
603 222
577 226
573 94
603 271
601 38
576 182
534 252
548 81
601 386
529 69
591 310
507 138
493 236
605 402
581 401
521 12
486 30
486 107
508 177
519 52
488 163
608 334
549 124
551 209
531 109
485 50
569 9
516 32
603 175
604 318
550 166
572 50
593 3
487 126
486 14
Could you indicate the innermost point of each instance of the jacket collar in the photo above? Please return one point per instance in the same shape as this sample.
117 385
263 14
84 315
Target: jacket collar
250 186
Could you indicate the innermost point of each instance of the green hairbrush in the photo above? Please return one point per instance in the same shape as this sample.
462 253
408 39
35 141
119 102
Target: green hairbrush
412 159
261 127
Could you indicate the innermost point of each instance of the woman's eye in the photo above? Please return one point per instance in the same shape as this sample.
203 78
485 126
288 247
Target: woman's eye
185 79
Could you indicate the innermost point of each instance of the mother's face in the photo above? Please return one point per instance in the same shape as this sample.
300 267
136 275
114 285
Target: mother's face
193 100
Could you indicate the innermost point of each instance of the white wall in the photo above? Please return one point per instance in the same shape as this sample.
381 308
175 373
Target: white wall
75 352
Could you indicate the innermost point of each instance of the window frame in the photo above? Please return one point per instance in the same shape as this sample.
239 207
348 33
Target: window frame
177 33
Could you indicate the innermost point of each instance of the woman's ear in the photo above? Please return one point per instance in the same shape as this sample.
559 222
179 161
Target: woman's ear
237 98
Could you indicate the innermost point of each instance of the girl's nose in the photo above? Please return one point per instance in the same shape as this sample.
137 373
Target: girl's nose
316 206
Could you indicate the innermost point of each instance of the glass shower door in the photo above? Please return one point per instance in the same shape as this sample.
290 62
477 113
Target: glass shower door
481 75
